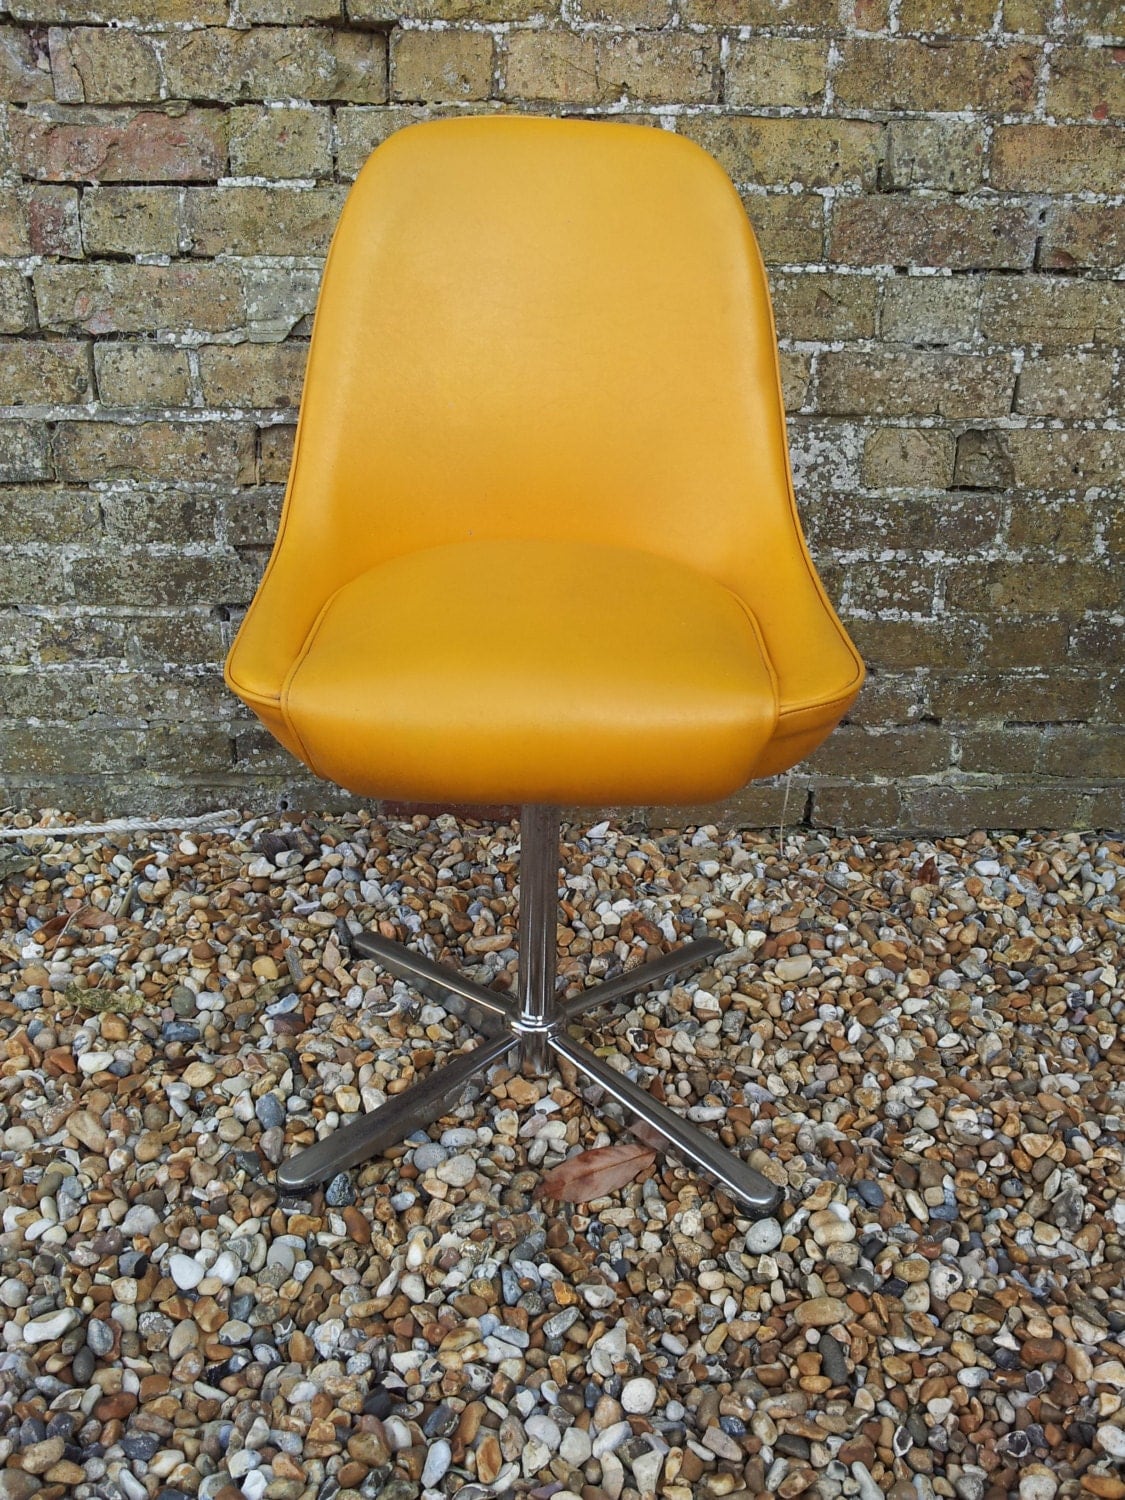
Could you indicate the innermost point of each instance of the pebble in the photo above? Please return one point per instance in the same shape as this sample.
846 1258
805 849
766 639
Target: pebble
763 1236
458 1170
185 1272
431 1155
51 1326
820 1312
437 1463
920 1040
639 1396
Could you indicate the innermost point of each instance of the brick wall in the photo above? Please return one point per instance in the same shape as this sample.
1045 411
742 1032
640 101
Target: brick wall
933 183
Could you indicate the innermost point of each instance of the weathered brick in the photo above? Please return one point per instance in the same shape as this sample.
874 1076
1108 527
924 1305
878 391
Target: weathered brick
819 306
906 522
789 227
944 154
1033 588
277 62
1076 20
276 449
441 65
290 12
140 577
758 13
252 374
155 450
251 516
1053 310
42 515
852 750
280 142
930 309
796 374
21 639
99 65
654 67
142 375
53 223
1081 236
889 698
772 71
931 808
1085 752
1098 637
1086 83
916 382
984 460
261 220
185 698
115 298
1109 518
896 644
25 70
65 143
23 452
905 457
39 373
17 311
898 586
825 454
1012 750
1057 158
359 130
1011 640
1015 697
901 73
905 231
28 577
1068 458
947 17
1066 385
1061 526
1104 809
649 13
131 220
192 635
15 231
279 299
166 516
556 66
155 13
1031 16
381 11
816 153
856 806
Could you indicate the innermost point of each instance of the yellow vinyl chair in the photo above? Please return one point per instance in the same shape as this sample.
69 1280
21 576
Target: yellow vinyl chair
539 544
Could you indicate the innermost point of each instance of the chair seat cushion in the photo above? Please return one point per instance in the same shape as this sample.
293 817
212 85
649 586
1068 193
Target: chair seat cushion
533 671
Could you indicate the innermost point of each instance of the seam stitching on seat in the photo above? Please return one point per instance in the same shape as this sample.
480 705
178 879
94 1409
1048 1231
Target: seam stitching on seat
814 577
766 658
290 676
287 506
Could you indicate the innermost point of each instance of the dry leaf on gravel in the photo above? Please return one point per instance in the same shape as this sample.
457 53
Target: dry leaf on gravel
592 1174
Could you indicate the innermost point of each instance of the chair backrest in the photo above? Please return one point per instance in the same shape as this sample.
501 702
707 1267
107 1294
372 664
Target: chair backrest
542 328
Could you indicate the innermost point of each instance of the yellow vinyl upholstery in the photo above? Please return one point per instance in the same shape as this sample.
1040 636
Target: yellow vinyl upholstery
539 542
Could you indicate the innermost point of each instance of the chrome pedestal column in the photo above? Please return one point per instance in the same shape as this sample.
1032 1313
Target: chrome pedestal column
536 1024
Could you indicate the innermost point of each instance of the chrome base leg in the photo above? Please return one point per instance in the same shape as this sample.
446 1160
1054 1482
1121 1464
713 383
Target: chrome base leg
645 976
536 1026
676 1134
403 1114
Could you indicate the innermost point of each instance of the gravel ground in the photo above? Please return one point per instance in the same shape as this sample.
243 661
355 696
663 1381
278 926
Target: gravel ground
921 1041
